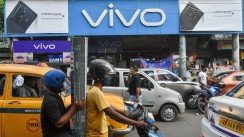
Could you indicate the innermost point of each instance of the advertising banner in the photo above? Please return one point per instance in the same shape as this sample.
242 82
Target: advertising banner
36 16
163 64
210 15
41 46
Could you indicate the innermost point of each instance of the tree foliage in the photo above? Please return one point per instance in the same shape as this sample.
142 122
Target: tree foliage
1 15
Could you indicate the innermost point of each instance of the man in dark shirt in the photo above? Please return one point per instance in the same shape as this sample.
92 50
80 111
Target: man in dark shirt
134 82
54 117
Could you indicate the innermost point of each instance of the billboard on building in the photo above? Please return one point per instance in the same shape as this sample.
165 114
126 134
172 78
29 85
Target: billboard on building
210 15
36 16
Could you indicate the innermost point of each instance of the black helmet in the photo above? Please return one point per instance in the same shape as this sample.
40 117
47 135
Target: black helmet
100 68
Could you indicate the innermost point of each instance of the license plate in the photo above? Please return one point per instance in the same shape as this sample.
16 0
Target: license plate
232 125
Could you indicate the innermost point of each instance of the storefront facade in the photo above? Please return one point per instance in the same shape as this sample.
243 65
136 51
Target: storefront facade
120 30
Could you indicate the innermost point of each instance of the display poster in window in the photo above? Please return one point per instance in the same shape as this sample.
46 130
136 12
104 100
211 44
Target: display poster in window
66 57
20 58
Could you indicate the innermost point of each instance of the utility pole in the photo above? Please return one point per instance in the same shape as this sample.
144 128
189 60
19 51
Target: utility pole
79 84
182 51
236 51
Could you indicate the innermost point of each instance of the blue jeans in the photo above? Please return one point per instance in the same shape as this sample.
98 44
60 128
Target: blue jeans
133 99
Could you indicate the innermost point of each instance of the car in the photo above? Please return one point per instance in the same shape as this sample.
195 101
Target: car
20 116
162 101
172 81
229 78
224 114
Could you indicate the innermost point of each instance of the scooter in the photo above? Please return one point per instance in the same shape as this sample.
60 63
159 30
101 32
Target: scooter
207 93
140 113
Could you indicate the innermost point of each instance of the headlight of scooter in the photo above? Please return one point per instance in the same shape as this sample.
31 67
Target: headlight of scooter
180 98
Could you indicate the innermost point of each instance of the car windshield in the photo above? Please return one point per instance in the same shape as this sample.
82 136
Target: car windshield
237 92
221 75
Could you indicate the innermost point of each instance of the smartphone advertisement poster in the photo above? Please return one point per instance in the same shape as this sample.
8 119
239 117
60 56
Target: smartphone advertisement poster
36 16
210 15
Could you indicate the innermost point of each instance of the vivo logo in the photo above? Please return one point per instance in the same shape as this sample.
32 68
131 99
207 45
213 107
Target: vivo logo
110 43
137 13
43 46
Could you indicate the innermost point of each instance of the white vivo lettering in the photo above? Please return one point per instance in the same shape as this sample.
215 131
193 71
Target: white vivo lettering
122 19
110 43
161 12
42 46
94 24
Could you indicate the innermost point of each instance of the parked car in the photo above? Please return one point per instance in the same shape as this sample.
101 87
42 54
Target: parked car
172 81
224 115
229 78
20 116
164 102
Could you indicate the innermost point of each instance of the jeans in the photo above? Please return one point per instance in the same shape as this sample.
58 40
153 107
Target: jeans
133 99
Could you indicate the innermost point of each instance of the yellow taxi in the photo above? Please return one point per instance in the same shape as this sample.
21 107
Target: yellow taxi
20 114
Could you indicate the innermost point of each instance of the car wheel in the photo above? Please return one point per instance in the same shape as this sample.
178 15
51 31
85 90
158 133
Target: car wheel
190 102
168 113
201 104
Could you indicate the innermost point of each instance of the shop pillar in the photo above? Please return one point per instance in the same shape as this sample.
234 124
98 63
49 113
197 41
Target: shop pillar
182 51
236 51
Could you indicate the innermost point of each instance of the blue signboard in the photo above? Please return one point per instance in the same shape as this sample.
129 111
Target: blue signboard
41 46
127 17
120 17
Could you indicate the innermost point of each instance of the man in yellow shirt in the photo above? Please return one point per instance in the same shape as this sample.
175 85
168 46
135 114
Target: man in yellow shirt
98 106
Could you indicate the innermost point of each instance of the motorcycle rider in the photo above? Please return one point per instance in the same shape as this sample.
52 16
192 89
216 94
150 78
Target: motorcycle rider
98 106
202 76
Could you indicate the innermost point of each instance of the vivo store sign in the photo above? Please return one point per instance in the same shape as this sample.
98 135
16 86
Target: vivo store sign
111 12
41 46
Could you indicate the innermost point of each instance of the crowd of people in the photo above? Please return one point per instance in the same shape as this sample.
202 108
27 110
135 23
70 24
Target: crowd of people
55 117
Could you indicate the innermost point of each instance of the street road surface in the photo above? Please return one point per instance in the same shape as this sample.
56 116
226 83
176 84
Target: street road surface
187 125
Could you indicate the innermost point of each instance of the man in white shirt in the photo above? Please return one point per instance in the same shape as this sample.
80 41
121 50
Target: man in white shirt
202 76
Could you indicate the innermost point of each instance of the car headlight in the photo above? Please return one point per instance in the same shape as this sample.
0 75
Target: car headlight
180 98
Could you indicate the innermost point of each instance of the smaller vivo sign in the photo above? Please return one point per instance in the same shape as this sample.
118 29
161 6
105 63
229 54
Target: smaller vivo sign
41 46
121 17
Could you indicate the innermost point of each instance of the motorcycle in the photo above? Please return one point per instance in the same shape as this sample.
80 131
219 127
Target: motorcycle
192 99
207 93
140 113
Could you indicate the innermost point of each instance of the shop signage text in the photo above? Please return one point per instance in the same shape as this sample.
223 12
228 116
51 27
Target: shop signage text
107 43
55 58
43 46
122 19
